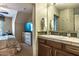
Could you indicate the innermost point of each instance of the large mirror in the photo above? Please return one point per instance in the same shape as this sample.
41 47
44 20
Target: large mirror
63 19
58 19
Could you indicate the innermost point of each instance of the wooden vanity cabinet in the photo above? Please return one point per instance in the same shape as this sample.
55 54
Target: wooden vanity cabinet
52 48
44 50
72 49
54 44
61 53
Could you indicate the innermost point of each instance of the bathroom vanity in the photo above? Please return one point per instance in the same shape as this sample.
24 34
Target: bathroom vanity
53 45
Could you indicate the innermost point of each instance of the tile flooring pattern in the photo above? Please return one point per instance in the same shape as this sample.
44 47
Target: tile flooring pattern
26 51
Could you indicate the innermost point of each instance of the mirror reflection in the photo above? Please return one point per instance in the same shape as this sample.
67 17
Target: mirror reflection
63 19
60 19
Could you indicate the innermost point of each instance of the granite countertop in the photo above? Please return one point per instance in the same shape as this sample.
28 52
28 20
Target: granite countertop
61 39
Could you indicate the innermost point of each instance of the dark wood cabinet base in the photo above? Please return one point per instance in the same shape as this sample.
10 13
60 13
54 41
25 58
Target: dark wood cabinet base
51 48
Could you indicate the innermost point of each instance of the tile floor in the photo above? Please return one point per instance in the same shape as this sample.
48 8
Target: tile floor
26 51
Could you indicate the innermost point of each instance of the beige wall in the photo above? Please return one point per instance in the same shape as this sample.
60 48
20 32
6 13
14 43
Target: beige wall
77 23
21 19
77 20
66 20
41 12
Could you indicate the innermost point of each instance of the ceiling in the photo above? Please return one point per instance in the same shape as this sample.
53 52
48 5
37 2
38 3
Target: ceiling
20 7
27 7
66 5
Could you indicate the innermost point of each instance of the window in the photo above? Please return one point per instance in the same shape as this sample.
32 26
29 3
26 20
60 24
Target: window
5 25
1 26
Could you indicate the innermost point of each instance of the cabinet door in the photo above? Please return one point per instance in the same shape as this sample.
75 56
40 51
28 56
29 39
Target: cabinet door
61 53
72 49
44 50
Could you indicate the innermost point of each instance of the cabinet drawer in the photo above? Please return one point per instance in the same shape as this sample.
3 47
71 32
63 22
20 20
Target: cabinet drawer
62 53
54 44
44 50
41 41
72 49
